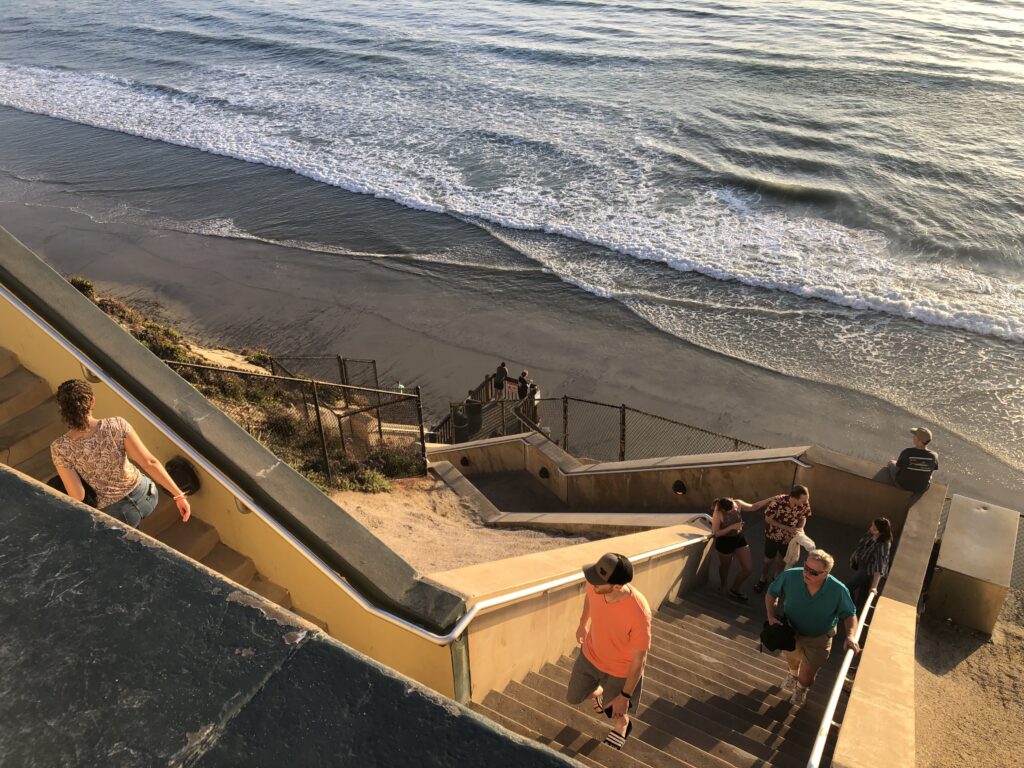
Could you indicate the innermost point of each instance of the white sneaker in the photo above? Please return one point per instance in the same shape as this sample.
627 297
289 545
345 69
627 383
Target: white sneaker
799 697
791 682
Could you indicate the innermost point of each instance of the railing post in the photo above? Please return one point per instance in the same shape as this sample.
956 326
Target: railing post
423 436
504 421
341 379
565 422
622 432
323 437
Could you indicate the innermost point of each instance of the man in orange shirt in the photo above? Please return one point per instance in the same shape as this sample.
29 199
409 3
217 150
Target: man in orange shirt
615 635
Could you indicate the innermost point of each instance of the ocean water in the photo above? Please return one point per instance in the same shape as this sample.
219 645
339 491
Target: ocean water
832 190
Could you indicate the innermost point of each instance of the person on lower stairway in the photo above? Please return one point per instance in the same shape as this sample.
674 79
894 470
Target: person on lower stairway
614 634
730 544
813 601
97 451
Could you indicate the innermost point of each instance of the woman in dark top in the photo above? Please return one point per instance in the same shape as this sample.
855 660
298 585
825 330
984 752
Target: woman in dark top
870 560
524 384
727 528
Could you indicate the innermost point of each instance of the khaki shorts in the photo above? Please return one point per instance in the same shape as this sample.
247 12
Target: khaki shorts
813 650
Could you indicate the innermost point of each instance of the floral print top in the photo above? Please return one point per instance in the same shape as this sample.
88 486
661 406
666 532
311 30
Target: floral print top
782 509
100 460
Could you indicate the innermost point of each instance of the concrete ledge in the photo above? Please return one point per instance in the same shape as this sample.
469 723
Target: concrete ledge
609 523
117 651
465 490
878 727
338 539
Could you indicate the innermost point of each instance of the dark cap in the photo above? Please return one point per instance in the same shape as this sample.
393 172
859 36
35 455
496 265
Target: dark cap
612 568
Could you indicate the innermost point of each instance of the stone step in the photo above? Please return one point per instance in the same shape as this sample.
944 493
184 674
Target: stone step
20 391
644 736
731 727
164 516
521 730
272 591
761 707
194 539
39 466
721 625
719 603
26 435
8 361
695 745
674 636
564 738
231 564
730 667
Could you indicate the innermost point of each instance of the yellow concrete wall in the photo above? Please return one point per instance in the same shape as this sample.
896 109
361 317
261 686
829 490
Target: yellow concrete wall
878 727
312 590
507 642
852 497
496 455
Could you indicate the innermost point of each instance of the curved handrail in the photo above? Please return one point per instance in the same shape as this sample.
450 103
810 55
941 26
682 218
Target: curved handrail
244 498
818 750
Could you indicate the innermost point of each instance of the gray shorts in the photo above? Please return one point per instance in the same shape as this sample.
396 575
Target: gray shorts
585 678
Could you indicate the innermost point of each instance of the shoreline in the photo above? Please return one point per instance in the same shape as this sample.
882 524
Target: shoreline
412 315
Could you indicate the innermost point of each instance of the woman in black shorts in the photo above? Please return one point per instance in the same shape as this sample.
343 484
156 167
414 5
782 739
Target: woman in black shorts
727 528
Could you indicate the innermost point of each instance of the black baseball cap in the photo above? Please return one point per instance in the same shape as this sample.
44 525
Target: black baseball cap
612 568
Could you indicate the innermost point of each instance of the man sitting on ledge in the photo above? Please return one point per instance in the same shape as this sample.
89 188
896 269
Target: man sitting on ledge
813 601
615 635
912 471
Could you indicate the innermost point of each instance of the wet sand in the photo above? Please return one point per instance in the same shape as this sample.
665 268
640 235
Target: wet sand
444 327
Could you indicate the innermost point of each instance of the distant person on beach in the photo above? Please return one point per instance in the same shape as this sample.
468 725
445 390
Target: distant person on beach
97 451
727 529
500 380
784 516
524 384
614 634
870 560
912 471
813 601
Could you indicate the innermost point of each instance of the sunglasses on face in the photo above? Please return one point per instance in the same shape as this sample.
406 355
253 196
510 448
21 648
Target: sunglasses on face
812 571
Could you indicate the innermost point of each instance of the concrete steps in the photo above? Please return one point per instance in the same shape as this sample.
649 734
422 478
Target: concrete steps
711 700
29 422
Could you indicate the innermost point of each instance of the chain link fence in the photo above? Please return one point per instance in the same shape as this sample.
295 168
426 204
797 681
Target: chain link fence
334 369
322 429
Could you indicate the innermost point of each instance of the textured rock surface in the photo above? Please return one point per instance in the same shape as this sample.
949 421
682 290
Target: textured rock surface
116 651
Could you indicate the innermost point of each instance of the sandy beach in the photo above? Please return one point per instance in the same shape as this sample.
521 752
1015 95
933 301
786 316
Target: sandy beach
442 327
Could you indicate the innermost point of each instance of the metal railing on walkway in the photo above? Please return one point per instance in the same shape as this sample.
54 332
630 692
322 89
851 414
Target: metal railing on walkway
584 428
319 428
827 719
335 369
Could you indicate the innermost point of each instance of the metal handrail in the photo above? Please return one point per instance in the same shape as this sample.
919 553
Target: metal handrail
825 727
244 498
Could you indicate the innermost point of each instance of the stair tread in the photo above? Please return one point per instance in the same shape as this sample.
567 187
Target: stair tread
193 539
230 563
694 745
165 515
271 590
21 390
8 361
575 738
695 713
30 432
39 466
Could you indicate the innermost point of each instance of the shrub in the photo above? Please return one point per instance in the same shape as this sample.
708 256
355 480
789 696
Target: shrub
166 343
259 356
84 287
120 312
365 480
396 460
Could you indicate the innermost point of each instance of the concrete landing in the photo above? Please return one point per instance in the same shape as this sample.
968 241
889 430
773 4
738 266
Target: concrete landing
610 523
517 492
116 651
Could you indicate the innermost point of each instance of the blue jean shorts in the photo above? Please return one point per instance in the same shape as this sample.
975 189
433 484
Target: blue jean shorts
136 506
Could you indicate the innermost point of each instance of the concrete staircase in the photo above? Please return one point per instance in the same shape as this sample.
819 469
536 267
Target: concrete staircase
710 699
29 422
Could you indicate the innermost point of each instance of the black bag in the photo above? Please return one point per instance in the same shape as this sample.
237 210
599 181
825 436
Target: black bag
90 495
778 637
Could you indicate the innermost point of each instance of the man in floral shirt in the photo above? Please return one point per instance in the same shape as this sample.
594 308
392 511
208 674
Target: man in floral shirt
784 517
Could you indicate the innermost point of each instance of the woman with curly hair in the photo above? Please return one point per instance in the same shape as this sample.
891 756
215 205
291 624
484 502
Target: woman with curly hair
97 451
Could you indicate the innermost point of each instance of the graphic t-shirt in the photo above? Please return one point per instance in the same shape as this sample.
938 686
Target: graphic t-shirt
915 468
616 630
100 460
782 509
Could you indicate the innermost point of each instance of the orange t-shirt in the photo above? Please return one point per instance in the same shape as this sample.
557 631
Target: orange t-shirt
616 630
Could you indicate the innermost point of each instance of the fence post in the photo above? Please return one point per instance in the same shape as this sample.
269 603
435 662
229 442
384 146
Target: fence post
504 422
341 374
423 436
565 422
323 437
622 432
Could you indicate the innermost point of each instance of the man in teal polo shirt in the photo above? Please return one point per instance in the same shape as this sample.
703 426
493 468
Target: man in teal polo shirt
814 602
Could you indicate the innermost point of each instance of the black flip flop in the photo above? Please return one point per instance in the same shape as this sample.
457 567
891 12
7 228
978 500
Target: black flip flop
616 739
